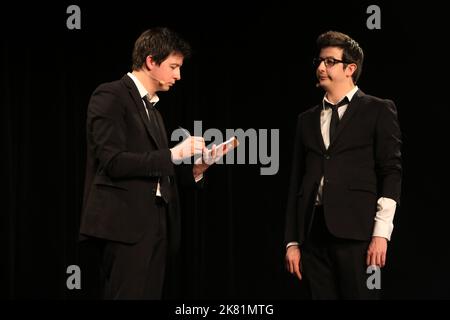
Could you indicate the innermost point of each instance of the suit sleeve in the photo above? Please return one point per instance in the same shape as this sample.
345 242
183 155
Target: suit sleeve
388 152
185 175
106 130
296 174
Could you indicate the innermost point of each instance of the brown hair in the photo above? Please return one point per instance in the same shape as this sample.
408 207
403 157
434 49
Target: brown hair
158 43
352 52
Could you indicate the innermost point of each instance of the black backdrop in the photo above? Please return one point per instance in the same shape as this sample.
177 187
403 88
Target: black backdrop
251 69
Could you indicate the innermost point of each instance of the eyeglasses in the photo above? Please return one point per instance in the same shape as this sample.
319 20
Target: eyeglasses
329 62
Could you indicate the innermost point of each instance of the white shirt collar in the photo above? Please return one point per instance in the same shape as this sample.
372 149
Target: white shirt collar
349 95
142 91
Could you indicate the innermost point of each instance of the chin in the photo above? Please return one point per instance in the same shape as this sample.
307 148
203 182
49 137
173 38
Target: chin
324 85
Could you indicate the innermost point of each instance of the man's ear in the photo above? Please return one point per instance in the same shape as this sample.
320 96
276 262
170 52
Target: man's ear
351 68
149 63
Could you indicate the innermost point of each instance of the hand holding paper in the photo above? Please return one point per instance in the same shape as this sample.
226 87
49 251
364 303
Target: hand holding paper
216 152
210 156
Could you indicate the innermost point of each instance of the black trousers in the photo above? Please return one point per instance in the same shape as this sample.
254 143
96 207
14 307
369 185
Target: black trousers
335 268
137 271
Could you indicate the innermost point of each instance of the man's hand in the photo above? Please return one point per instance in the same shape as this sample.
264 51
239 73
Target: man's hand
188 148
293 260
376 253
208 158
203 162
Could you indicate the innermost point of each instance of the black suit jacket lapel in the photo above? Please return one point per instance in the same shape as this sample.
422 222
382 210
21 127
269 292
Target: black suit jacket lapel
317 128
348 114
139 104
163 129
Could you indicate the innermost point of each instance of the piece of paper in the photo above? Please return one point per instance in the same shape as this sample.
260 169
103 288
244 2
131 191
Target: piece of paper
223 148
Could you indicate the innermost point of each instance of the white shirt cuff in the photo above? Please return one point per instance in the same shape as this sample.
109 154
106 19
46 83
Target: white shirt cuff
199 177
293 243
384 218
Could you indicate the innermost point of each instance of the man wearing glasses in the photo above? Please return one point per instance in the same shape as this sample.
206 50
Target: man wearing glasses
345 180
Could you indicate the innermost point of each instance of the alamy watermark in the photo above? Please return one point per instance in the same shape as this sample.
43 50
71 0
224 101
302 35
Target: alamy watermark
374 20
74 279
374 280
256 146
73 21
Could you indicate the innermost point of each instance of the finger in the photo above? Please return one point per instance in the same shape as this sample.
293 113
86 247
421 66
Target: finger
373 259
207 158
368 258
192 145
213 154
198 147
378 259
383 259
297 269
200 141
292 266
196 144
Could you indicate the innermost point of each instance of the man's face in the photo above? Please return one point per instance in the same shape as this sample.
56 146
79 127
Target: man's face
168 72
330 71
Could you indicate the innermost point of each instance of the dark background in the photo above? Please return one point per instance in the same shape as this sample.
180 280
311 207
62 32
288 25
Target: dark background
251 68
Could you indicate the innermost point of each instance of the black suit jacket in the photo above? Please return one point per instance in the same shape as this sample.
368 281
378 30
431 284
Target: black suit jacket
362 163
124 164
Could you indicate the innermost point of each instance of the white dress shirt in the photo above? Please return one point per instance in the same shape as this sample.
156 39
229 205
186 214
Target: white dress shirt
152 99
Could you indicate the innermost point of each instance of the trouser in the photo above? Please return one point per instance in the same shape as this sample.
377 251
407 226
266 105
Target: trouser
137 271
335 268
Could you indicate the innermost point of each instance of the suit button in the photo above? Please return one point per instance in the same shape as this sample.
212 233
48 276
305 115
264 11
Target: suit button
327 156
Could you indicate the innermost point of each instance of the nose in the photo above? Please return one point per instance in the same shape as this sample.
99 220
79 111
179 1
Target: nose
177 74
321 65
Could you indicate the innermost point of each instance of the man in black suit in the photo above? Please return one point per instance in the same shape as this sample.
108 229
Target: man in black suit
345 180
131 200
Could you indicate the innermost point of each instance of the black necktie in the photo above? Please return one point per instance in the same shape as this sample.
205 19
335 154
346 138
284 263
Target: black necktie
335 115
154 120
